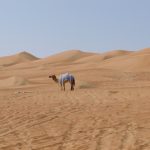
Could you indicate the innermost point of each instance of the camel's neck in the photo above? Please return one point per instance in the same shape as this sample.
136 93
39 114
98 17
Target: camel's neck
56 80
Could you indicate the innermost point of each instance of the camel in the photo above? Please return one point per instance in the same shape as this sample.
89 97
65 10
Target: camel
63 79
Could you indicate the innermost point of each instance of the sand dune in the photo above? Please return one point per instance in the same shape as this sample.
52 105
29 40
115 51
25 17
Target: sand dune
97 58
60 59
67 56
91 59
136 61
13 81
142 51
16 59
116 53
109 109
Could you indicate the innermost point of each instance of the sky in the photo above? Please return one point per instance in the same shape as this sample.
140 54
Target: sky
45 27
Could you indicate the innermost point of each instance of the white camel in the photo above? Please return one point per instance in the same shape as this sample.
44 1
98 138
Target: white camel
63 79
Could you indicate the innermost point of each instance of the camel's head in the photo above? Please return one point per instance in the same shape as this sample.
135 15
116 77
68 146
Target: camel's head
52 76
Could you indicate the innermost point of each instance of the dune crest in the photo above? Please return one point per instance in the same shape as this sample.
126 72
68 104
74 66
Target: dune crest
136 61
67 56
97 58
26 56
143 51
17 59
116 53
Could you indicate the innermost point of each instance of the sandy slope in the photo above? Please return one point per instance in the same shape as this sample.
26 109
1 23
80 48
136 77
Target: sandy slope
17 59
67 56
13 81
97 58
109 109
136 61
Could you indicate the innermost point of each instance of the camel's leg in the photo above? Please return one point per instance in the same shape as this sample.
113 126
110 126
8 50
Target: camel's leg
64 86
72 86
61 87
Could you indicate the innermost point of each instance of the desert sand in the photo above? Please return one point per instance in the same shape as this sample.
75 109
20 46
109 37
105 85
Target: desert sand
109 109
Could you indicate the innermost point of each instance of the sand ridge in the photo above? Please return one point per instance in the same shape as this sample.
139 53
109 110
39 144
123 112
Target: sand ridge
67 56
97 58
17 59
136 61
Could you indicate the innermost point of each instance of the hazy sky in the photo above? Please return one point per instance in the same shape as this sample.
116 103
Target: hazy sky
45 27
